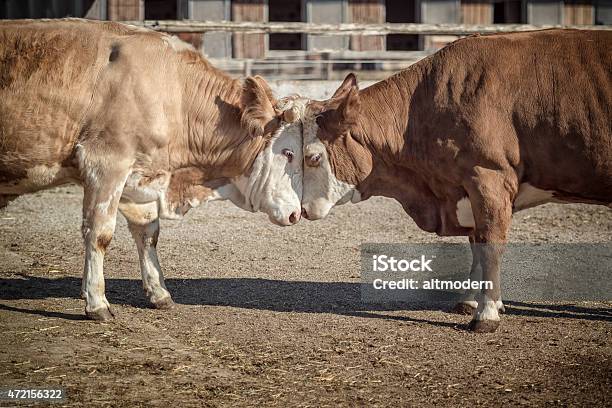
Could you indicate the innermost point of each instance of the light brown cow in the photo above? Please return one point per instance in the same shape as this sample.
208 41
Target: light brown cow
485 127
146 126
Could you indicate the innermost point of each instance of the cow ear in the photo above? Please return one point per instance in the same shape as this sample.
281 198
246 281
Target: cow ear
348 110
257 103
341 119
350 82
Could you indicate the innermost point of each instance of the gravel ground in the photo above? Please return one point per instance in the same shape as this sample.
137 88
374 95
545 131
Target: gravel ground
272 316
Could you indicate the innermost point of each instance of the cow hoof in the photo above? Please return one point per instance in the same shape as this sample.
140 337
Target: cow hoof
483 326
101 315
463 309
164 304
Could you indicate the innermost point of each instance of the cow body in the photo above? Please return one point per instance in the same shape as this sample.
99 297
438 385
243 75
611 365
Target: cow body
485 127
146 126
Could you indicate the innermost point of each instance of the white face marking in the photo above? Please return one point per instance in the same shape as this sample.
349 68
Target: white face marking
322 190
274 185
530 196
465 216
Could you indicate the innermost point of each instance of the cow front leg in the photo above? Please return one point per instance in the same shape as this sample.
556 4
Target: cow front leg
468 305
143 222
490 196
100 202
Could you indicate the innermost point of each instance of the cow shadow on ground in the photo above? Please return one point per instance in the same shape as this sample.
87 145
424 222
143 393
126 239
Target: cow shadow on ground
342 298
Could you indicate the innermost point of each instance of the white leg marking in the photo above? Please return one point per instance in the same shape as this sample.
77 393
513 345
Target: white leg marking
93 279
471 303
487 309
500 306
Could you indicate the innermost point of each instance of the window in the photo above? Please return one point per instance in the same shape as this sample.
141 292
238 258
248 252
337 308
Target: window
401 11
161 10
285 11
44 9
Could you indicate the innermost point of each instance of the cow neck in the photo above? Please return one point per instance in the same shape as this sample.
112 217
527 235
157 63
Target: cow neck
213 140
384 127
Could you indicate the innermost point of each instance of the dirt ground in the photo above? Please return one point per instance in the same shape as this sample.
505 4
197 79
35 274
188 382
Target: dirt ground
270 316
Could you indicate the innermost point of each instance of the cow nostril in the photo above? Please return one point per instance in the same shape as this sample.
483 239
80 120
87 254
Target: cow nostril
304 213
294 217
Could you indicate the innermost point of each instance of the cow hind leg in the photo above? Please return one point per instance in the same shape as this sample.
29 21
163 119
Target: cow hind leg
490 193
143 223
468 305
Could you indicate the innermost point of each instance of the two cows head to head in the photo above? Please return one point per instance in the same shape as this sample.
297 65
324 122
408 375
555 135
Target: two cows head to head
274 183
315 156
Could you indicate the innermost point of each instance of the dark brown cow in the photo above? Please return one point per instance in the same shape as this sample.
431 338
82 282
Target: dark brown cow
485 127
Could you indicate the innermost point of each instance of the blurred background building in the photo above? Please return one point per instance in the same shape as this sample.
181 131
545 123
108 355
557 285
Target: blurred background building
283 53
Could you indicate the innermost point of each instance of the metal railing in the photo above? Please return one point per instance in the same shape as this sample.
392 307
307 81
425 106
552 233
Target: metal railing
189 26
306 65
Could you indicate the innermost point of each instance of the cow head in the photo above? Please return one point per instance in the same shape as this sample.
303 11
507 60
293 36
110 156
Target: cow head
274 183
335 159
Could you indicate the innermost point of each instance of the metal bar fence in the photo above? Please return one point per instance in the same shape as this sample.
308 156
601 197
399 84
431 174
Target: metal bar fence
188 26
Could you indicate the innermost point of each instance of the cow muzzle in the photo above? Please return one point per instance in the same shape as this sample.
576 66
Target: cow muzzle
285 218
316 210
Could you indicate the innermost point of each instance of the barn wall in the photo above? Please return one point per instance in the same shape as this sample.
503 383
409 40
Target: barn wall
367 11
544 12
326 11
96 10
579 12
219 44
119 10
476 12
438 11
249 45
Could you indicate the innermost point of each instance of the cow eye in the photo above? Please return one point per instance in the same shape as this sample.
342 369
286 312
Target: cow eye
313 160
288 154
319 120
